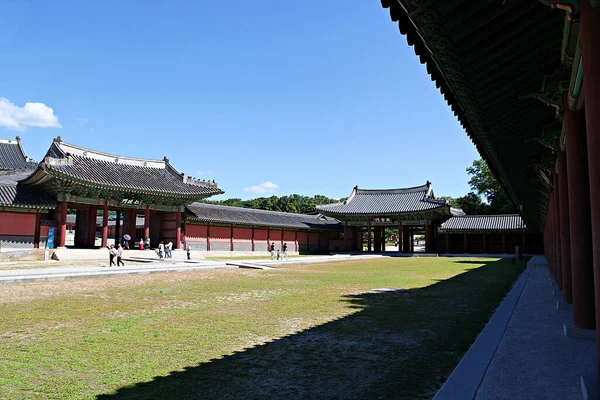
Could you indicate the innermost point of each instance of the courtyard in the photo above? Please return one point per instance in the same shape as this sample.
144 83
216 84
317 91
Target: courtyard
326 330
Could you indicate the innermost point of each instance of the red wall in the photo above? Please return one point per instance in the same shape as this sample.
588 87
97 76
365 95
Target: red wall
242 234
195 233
18 224
260 234
220 233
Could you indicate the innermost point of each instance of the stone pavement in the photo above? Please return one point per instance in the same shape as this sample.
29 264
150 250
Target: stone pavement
522 353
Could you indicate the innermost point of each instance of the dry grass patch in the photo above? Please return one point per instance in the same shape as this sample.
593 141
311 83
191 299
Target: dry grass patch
284 333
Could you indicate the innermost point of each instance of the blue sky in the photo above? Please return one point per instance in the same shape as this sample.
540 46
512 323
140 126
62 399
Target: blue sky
312 96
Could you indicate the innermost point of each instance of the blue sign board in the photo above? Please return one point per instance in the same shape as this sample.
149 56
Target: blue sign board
50 241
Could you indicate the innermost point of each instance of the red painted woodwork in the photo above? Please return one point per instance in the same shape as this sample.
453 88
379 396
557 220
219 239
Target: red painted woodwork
579 214
220 234
43 230
260 235
105 225
195 233
302 238
146 223
62 225
565 242
242 234
18 224
589 39
557 228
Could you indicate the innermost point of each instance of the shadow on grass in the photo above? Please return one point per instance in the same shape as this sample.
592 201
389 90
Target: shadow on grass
399 344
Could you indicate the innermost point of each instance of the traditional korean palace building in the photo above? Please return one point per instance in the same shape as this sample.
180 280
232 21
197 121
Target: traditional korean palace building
83 198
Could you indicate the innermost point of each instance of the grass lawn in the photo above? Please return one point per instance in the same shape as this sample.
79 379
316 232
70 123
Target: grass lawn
300 331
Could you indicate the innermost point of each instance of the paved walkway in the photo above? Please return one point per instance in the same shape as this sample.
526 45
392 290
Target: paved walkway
153 265
523 353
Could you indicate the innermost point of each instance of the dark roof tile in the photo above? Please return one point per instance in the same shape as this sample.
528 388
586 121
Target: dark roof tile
247 216
386 202
508 222
12 156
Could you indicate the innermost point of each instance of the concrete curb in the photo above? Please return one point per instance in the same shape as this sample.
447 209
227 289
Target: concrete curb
464 381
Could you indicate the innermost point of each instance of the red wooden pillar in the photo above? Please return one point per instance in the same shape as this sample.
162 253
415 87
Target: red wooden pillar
146 223
252 238
62 223
345 236
105 225
91 226
281 244
207 237
565 242
369 236
399 236
36 237
406 238
466 242
231 238
447 243
589 39
269 239
557 228
177 243
296 240
485 245
579 214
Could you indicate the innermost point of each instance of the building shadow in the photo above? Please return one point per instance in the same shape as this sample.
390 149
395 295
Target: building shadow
397 344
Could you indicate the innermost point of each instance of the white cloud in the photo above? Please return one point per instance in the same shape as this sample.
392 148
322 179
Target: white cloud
31 114
265 187
201 172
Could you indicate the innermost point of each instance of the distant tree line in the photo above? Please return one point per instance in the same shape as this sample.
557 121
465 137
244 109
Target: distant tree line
487 197
294 203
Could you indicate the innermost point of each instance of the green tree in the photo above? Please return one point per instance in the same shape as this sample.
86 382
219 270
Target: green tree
485 184
294 203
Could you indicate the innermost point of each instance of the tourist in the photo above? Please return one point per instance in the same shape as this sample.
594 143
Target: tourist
272 250
148 243
141 244
189 251
111 254
169 250
284 252
126 242
120 256
161 249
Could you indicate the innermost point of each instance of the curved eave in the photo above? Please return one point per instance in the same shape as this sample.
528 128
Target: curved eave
54 172
460 40
198 220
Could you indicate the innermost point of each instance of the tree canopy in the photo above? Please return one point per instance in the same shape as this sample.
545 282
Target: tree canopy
294 203
487 197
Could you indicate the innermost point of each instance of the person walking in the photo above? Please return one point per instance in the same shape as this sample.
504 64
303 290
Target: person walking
148 243
112 252
169 249
188 249
120 256
272 250
284 255
161 249
141 244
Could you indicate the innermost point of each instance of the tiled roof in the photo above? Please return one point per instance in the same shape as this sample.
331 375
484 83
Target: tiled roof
386 202
508 222
14 194
132 174
12 156
247 216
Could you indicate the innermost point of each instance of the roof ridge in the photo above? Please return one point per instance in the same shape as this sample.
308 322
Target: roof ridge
59 143
408 189
251 209
488 215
